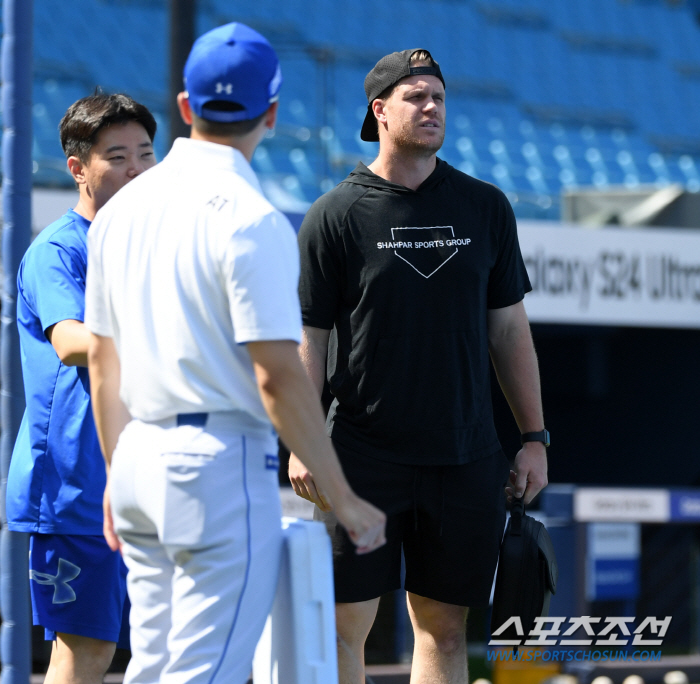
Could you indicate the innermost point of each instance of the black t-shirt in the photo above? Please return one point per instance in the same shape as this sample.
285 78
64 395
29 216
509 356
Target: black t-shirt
404 279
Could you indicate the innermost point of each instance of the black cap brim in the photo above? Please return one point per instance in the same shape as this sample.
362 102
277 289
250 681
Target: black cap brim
370 129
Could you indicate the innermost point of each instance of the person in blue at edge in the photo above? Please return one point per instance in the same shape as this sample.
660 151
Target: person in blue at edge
57 474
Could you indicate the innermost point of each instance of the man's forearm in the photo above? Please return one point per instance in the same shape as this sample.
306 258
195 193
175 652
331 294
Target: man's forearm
111 416
294 409
515 362
518 375
313 352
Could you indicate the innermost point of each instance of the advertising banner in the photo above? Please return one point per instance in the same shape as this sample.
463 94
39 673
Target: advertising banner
612 570
646 277
609 504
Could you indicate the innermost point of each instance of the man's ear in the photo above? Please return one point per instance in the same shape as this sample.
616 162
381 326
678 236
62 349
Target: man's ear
379 111
183 105
271 115
76 169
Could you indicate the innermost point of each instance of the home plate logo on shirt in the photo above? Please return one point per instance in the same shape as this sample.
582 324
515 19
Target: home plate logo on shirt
425 249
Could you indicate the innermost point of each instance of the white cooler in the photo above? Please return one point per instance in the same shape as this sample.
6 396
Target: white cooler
298 644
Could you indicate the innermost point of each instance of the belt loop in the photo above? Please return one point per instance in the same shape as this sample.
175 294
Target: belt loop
193 419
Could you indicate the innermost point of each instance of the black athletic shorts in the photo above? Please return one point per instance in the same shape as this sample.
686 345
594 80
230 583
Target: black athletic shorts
449 519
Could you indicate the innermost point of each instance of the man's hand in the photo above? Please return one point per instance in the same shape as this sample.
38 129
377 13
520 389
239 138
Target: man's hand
530 475
108 526
364 523
304 485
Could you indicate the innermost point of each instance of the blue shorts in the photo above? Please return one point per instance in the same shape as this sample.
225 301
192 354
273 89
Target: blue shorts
78 586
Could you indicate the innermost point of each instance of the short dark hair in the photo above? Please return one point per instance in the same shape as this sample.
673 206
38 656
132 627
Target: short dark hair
218 129
85 118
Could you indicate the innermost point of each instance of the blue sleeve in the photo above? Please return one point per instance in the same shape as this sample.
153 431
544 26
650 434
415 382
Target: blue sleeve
53 283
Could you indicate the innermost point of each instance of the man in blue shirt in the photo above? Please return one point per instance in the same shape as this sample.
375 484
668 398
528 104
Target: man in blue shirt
57 474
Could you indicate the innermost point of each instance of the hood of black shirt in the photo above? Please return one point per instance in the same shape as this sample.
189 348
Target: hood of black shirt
361 175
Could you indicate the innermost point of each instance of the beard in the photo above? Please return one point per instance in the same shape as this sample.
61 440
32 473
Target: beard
406 139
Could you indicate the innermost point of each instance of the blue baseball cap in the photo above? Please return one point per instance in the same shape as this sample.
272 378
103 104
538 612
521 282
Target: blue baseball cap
234 64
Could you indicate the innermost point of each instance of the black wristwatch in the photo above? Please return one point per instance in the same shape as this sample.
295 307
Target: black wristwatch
542 436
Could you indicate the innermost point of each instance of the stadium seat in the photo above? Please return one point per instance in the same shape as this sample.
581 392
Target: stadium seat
541 95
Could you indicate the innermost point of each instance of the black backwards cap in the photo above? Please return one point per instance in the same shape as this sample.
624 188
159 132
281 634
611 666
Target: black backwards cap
388 71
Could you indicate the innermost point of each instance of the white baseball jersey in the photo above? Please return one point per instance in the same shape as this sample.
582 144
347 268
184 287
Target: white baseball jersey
186 264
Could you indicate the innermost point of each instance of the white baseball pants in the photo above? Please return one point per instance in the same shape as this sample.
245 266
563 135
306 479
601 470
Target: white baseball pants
199 514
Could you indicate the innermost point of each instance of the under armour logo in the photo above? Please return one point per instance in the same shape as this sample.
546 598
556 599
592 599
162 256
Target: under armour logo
224 88
67 572
275 83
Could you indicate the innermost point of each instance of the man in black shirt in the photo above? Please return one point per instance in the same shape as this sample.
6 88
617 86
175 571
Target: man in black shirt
411 277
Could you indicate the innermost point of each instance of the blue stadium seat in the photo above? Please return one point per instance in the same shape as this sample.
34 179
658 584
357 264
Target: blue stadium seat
541 95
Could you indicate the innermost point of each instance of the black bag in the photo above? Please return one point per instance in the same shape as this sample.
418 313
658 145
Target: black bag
527 574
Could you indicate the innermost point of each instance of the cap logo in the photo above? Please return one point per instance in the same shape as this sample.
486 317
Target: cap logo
224 88
275 82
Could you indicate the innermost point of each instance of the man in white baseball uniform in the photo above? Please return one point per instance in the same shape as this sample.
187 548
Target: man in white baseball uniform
192 306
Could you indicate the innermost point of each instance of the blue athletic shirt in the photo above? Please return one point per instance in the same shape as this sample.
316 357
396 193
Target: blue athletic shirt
57 474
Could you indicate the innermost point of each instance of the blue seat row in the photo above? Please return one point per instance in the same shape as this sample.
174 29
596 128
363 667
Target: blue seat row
542 96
